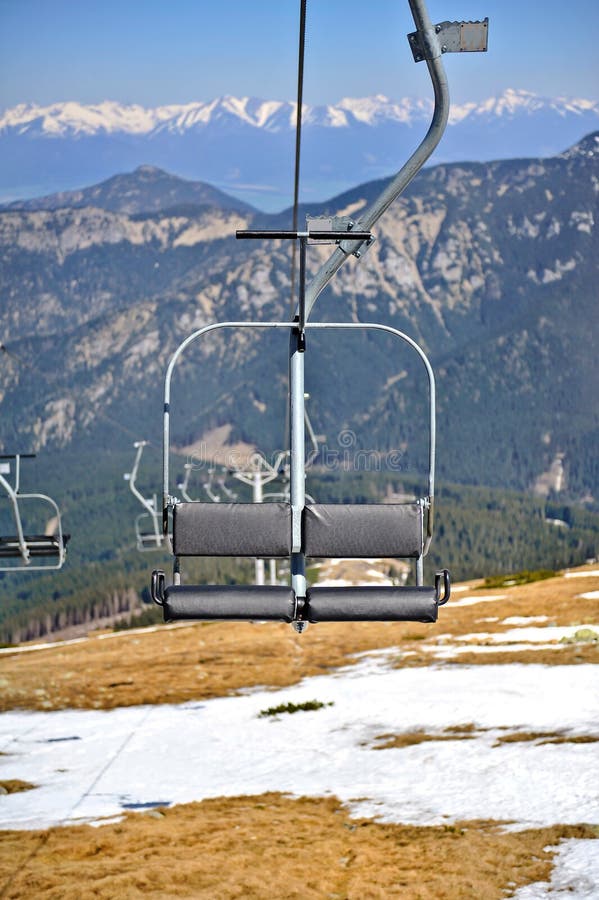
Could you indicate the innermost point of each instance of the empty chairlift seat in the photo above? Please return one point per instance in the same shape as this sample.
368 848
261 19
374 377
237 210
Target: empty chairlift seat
229 529
360 531
329 530
298 529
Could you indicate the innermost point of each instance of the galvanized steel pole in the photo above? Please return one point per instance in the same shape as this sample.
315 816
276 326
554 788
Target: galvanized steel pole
411 167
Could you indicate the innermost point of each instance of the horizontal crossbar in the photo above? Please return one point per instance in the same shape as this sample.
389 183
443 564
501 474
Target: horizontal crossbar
313 235
37 545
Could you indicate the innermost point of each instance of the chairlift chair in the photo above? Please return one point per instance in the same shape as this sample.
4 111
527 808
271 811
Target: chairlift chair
183 486
148 526
23 550
296 529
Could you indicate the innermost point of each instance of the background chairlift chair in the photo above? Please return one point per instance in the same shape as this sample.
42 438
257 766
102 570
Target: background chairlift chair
28 550
216 482
148 528
258 473
295 529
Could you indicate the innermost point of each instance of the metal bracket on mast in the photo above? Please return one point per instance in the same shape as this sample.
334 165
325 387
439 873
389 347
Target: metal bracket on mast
449 37
340 225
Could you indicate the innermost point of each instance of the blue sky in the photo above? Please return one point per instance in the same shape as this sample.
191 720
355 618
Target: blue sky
173 51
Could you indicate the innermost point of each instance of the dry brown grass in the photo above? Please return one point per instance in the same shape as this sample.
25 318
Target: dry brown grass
573 656
15 786
411 738
544 737
459 733
173 665
273 847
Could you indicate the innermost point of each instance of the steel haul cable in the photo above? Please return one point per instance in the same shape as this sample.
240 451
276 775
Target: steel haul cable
296 177
298 142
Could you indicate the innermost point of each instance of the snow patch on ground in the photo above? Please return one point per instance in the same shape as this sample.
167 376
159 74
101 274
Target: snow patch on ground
92 764
586 574
450 651
483 598
575 876
523 620
530 635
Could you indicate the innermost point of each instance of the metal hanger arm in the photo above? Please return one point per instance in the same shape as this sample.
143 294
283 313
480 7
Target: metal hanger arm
409 169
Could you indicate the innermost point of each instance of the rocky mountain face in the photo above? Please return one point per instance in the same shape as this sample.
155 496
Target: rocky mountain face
67 145
491 266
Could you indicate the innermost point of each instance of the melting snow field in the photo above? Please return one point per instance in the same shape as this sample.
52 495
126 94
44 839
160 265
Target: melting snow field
92 764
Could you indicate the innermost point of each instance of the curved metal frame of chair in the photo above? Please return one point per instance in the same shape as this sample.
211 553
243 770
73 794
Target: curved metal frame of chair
146 541
21 547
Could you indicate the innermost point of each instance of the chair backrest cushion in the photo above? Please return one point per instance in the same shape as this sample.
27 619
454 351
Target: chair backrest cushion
232 529
378 529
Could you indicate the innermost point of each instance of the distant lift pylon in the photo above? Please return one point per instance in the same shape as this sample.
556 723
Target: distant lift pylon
296 529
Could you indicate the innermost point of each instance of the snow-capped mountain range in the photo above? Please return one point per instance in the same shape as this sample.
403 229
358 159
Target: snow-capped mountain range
72 118
65 145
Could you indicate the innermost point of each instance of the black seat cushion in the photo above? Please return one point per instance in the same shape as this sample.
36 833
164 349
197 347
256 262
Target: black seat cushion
228 602
371 604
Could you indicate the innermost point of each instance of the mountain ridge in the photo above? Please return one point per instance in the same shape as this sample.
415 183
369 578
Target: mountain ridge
146 189
111 116
491 266
61 147
143 190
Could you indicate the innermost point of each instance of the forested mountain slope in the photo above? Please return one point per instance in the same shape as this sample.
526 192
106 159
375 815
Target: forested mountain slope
491 266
